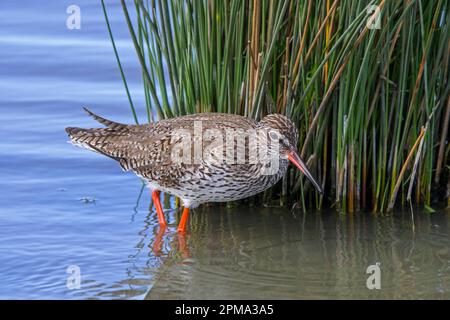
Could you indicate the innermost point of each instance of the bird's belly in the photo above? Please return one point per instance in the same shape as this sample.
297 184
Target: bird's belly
193 193
219 185
207 193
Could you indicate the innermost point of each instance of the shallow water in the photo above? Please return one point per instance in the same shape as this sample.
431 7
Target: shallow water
62 206
271 253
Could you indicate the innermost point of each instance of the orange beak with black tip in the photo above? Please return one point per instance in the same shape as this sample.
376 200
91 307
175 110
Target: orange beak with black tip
295 159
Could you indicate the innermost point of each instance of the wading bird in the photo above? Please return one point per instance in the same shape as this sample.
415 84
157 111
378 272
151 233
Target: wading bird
153 151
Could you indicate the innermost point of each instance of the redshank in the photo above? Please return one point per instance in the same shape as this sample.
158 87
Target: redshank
207 157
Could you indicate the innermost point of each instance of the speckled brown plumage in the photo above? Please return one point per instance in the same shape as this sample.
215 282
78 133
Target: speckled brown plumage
147 150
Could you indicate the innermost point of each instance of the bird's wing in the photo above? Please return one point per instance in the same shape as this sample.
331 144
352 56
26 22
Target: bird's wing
108 123
149 149
171 151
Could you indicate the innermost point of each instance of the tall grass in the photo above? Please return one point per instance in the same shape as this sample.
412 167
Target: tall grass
372 105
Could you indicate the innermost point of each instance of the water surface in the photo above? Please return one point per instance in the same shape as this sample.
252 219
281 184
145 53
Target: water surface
272 253
62 206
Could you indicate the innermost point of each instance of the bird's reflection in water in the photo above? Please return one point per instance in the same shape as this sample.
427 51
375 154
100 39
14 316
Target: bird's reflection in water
257 252
158 242
181 246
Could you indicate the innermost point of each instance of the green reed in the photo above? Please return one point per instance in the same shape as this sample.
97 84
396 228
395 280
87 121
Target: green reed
372 104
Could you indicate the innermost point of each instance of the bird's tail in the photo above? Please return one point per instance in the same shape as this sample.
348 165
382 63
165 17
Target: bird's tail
91 139
101 140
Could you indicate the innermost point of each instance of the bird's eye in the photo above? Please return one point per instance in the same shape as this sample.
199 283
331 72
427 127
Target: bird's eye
274 135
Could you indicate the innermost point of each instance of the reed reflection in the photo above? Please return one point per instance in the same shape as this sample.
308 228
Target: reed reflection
271 253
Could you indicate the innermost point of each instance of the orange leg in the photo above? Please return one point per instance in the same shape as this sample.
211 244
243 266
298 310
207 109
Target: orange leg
183 221
159 210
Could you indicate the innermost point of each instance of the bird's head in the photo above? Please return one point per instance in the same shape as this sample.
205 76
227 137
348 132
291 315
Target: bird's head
281 130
